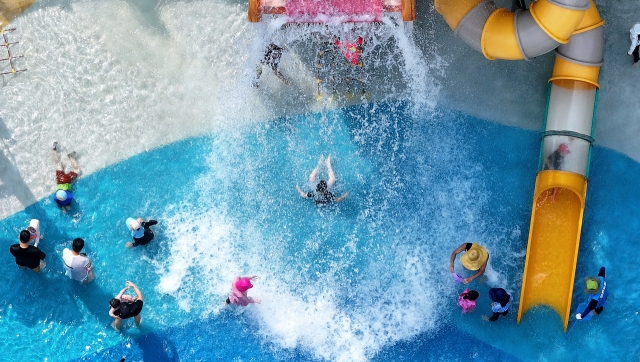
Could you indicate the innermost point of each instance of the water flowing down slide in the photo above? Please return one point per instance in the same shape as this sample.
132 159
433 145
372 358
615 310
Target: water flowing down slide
574 29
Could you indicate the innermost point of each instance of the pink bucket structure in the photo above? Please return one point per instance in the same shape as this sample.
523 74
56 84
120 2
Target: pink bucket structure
331 11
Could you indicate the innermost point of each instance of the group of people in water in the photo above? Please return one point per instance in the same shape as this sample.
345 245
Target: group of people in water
78 266
474 261
475 258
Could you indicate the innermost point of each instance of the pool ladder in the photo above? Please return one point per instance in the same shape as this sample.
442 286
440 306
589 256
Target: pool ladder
10 58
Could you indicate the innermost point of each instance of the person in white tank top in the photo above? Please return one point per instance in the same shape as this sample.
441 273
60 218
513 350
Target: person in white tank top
77 265
634 33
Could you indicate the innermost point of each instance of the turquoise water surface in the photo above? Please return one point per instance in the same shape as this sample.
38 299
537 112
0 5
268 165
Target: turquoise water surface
365 279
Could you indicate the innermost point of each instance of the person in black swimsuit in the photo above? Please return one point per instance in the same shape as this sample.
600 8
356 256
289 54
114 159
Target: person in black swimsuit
140 231
124 306
272 55
323 193
28 256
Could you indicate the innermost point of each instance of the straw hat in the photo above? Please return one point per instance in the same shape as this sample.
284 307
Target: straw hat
475 257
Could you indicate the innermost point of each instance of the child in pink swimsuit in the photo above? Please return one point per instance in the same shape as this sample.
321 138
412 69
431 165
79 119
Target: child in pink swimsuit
467 300
238 295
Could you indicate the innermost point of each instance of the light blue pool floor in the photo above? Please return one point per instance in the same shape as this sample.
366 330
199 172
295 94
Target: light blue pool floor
419 186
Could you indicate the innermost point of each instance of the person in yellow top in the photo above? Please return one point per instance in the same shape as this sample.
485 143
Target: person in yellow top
475 257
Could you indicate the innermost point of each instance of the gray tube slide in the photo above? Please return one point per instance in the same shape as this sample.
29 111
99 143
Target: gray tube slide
532 40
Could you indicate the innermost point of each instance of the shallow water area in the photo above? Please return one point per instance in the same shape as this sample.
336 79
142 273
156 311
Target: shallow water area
360 279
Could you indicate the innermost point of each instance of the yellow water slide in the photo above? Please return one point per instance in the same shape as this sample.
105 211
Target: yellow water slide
574 29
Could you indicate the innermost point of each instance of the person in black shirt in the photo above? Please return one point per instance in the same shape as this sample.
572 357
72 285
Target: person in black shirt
28 256
124 306
140 231
323 193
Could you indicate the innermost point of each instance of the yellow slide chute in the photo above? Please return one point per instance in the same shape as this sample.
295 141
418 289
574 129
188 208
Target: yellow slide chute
574 29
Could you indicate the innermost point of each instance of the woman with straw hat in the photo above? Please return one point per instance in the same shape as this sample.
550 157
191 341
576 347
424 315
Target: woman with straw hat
475 257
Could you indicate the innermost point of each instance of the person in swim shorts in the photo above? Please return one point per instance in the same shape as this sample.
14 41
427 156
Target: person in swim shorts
475 257
323 193
140 231
63 195
76 264
124 306
238 295
28 256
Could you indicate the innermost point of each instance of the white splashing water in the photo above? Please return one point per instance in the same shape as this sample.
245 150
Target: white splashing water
111 79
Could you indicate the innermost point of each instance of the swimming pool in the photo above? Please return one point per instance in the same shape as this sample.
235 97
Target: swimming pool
362 280
365 279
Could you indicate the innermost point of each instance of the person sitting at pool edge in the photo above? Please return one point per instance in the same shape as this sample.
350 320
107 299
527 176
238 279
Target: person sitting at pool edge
26 255
140 231
63 195
124 306
324 189
76 264
475 257
596 287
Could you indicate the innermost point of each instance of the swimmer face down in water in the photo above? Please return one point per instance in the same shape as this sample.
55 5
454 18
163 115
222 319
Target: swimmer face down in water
323 193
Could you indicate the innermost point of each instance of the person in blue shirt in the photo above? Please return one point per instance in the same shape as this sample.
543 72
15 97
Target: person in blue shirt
596 287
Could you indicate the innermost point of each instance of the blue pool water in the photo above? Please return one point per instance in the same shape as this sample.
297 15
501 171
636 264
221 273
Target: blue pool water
365 279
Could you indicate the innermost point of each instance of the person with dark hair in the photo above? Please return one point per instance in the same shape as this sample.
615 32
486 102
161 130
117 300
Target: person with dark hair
323 193
63 195
76 264
124 306
596 287
28 256
467 300
140 231
501 303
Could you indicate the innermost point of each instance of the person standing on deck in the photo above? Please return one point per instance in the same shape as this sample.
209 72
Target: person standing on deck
63 195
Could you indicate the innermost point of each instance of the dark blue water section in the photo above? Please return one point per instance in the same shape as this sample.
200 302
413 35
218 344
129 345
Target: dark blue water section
419 187
228 338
